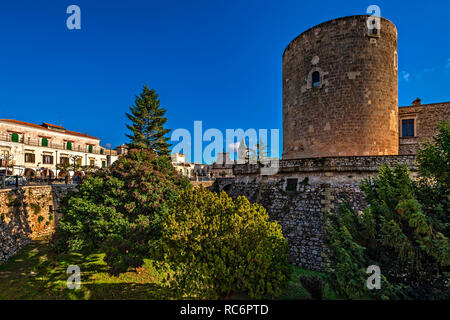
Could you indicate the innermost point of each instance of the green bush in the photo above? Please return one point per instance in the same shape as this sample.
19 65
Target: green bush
393 233
121 207
217 246
404 230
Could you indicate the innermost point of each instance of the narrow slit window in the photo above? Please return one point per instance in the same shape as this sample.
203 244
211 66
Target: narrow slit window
374 29
315 79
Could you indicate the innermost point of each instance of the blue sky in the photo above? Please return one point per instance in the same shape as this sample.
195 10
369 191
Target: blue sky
216 61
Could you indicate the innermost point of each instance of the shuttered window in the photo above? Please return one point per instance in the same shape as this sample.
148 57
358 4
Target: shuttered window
69 145
90 149
14 137
44 142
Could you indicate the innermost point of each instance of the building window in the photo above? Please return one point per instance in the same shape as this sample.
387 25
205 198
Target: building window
315 79
90 149
408 128
103 164
92 162
101 151
79 162
46 159
15 137
44 142
69 145
30 158
64 161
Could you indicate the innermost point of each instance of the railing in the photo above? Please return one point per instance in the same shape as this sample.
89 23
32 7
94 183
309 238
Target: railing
51 145
15 182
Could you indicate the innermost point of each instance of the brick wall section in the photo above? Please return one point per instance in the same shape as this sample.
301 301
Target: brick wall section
354 111
426 118
27 213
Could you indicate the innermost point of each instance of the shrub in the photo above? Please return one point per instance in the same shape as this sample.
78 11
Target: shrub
393 233
121 207
217 246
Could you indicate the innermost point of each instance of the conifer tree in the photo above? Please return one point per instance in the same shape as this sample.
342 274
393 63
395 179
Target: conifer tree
147 128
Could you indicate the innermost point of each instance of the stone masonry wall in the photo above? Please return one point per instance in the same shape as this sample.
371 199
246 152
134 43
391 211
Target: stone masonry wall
426 119
301 190
300 212
353 109
27 213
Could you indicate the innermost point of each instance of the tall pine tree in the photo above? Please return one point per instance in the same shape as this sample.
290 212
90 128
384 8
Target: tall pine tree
147 128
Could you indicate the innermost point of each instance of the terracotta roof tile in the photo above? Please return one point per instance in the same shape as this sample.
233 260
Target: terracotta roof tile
73 133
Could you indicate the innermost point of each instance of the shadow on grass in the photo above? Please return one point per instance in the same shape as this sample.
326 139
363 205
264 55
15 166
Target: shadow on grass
38 273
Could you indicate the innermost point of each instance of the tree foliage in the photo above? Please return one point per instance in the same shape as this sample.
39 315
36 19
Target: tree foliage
147 128
120 209
218 246
404 231
434 157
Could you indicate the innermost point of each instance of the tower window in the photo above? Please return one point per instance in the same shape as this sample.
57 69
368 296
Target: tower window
315 79
374 29
408 128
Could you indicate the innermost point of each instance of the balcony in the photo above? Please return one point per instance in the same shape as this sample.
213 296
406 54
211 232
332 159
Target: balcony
51 144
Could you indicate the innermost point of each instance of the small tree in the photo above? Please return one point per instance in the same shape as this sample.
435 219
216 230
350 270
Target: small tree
405 230
393 233
120 209
147 128
434 157
217 246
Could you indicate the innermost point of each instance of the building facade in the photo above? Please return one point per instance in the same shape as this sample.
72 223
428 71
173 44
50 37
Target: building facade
44 150
192 171
418 123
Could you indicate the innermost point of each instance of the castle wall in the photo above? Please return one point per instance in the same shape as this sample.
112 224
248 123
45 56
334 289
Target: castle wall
302 191
300 213
354 109
27 213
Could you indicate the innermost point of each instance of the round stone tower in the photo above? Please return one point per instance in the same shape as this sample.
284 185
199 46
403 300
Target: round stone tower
340 90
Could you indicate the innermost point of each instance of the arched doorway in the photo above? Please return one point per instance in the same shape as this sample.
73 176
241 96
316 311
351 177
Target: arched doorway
227 188
47 172
29 173
62 174
78 174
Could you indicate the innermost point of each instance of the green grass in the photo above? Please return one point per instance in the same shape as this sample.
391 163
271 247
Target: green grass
295 291
37 273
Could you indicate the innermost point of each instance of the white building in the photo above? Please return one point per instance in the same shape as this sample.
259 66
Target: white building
41 150
193 171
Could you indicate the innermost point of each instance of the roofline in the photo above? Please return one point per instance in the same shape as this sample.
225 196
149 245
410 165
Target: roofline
336 19
37 126
424 104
